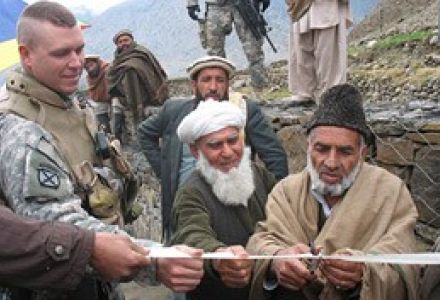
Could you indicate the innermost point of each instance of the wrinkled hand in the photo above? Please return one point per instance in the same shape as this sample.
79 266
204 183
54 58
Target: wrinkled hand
181 274
192 10
116 257
342 274
292 273
235 273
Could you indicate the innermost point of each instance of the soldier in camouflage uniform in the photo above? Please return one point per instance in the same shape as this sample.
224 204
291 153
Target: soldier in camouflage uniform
219 17
48 165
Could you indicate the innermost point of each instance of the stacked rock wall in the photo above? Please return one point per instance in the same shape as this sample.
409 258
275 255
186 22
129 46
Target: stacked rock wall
407 144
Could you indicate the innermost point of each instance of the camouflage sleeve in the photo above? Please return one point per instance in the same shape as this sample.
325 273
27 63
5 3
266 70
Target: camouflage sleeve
192 3
34 179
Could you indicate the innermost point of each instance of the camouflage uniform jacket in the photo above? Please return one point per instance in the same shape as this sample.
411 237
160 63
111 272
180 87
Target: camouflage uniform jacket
35 181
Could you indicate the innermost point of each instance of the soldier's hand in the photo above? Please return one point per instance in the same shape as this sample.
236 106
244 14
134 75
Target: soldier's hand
192 11
235 273
116 257
181 274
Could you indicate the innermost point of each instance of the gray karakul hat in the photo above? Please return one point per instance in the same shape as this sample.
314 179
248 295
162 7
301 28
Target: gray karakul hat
121 33
341 106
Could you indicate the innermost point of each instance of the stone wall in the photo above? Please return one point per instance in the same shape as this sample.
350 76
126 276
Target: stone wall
407 144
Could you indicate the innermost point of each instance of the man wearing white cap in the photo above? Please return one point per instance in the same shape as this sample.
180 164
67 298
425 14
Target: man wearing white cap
172 161
222 200
97 90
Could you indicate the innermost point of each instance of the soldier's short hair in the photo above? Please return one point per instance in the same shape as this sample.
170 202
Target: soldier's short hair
42 11
210 62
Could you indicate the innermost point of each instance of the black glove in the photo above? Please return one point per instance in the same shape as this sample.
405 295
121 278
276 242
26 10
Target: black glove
258 6
192 12
266 4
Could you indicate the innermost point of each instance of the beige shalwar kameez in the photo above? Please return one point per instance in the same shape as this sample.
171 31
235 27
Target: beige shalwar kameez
318 48
376 215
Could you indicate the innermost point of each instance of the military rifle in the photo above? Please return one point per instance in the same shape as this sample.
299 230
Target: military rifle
254 20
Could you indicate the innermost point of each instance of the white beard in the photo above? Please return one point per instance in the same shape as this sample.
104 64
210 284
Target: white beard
234 187
334 190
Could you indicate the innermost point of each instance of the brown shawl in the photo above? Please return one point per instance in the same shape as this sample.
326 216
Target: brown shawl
98 90
377 215
148 69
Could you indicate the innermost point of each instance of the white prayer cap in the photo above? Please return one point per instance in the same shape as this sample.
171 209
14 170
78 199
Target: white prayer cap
210 62
210 116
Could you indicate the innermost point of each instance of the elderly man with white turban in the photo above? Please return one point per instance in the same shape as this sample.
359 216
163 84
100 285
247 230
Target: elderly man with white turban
225 196
171 159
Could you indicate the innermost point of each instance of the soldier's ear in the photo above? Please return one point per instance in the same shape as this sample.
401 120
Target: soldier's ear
25 56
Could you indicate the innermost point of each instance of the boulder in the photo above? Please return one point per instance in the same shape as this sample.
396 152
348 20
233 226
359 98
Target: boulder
294 141
425 185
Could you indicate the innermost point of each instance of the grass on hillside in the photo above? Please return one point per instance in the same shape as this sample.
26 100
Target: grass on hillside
401 38
268 94
391 42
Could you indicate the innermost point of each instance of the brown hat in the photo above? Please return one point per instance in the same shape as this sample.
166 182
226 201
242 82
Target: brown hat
341 106
121 33
210 62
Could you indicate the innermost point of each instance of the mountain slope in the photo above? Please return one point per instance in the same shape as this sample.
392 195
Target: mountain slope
392 16
166 29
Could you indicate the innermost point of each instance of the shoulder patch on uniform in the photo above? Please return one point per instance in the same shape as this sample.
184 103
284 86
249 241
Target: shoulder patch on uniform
48 178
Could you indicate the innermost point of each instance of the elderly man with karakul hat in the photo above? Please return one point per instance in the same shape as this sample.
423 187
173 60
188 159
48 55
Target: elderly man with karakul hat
345 206
218 206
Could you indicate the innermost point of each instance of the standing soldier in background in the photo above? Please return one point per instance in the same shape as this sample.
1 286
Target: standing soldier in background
219 17
318 48
97 70
136 80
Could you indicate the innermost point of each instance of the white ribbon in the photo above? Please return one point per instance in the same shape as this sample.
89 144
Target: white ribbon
401 259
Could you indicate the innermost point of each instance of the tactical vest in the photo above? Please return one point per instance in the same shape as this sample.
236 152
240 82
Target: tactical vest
73 129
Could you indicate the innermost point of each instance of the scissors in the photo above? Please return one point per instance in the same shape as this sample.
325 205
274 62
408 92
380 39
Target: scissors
313 263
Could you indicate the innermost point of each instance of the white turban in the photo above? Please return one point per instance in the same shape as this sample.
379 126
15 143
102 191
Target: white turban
210 116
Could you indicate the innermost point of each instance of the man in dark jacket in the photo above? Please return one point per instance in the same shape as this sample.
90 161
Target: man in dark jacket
172 161
220 203
38 254
97 90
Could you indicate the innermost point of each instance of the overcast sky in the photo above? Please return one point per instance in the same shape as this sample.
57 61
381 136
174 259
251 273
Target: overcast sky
97 6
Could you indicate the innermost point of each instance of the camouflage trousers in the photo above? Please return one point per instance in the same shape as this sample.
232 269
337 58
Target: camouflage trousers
219 21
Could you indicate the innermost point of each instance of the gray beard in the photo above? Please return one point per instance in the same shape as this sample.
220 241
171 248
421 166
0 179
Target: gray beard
234 187
326 189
